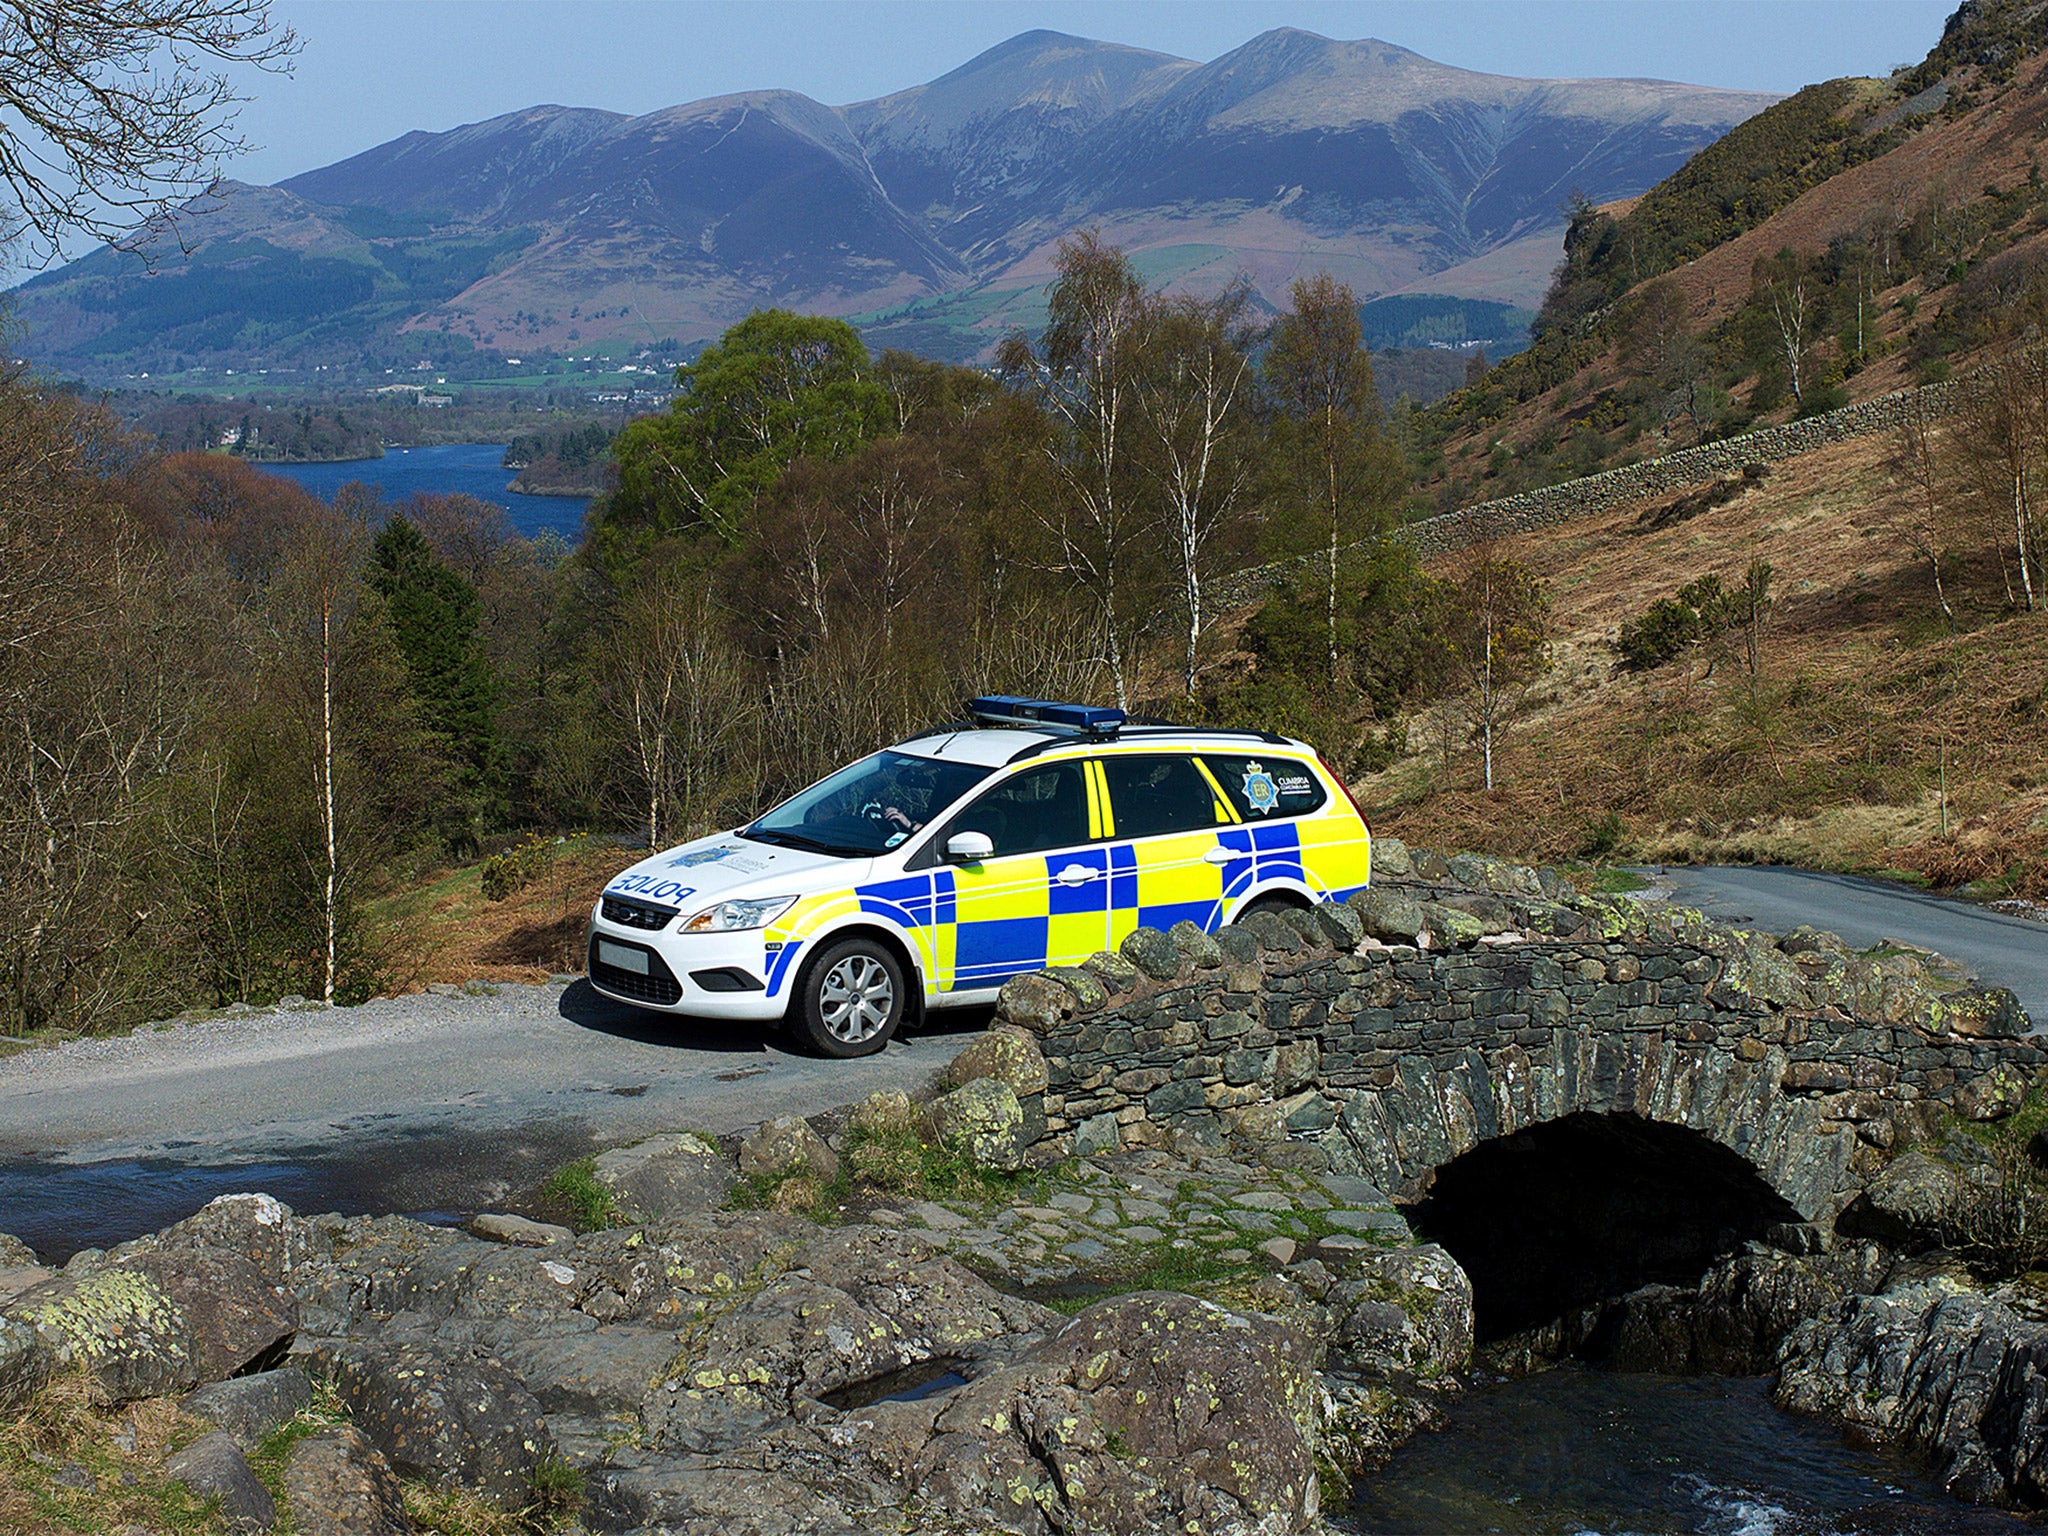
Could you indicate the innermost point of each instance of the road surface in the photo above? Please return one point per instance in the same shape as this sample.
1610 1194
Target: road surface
2006 951
426 1103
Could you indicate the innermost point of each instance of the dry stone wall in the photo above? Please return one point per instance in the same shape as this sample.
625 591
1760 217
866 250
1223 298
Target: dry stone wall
1388 1060
1550 506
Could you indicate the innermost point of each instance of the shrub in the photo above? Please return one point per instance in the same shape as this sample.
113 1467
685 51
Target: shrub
506 874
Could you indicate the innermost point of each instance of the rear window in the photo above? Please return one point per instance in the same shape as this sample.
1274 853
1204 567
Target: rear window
1152 796
1264 787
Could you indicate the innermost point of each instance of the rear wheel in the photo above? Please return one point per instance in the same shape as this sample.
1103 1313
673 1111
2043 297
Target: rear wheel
852 997
1273 904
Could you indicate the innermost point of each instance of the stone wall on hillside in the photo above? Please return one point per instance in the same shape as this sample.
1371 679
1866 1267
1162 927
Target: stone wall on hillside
1550 506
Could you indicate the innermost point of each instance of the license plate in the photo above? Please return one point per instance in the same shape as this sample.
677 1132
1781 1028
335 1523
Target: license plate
625 959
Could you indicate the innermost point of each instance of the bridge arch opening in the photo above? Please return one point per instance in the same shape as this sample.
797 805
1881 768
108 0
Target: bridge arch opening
1561 1216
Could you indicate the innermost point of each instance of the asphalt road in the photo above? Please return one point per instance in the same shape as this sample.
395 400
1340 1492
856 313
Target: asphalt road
2003 950
433 1104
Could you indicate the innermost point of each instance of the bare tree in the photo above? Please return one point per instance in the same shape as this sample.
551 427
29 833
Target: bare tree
1097 316
1320 379
1916 464
113 112
1502 640
1194 396
1998 442
674 697
1788 314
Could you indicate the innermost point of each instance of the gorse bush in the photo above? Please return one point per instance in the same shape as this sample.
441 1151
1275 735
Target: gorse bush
506 874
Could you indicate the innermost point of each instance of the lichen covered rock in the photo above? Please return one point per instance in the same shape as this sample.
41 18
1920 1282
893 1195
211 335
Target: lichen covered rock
984 1120
118 1326
785 1146
664 1176
1011 1056
338 1484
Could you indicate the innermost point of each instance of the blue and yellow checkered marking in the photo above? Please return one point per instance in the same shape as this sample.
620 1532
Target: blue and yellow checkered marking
976 929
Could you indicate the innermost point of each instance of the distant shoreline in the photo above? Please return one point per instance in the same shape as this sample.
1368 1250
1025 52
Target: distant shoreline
346 458
577 493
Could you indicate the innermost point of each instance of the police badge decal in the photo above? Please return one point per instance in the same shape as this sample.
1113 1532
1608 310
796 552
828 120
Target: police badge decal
1260 792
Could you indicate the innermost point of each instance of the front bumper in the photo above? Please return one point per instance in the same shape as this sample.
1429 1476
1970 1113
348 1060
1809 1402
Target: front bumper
709 975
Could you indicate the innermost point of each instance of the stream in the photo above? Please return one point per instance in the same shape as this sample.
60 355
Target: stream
1577 1451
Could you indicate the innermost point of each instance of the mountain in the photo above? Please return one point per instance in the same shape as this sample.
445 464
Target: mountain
929 215
1859 237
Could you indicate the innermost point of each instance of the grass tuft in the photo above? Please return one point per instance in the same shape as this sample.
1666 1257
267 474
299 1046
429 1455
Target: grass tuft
589 1204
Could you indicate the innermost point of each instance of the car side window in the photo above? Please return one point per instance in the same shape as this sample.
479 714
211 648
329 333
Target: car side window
1263 788
1150 796
1037 810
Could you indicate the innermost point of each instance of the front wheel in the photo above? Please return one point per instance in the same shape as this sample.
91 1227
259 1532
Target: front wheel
851 999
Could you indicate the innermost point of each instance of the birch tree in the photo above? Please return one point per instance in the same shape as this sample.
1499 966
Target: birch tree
1084 377
1502 641
674 697
1319 381
1916 464
1195 393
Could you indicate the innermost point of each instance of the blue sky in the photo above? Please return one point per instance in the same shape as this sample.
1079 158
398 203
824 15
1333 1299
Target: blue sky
373 69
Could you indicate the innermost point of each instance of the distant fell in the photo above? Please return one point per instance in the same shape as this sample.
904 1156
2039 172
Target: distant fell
929 214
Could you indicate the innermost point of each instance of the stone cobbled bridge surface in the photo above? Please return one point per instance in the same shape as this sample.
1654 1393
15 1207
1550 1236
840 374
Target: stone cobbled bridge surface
1464 1000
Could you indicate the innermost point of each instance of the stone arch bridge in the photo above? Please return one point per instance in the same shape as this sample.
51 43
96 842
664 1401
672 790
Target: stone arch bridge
1466 1001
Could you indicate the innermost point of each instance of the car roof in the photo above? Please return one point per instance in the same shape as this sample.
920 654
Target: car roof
994 746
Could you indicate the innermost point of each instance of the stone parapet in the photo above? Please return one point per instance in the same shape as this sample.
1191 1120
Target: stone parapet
1387 1061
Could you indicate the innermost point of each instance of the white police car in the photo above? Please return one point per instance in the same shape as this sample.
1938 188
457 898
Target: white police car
933 871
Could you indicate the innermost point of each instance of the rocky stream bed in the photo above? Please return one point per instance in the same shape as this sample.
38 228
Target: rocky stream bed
886 1319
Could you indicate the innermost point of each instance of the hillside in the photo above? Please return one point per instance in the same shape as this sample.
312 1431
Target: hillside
1856 237
930 214
1865 712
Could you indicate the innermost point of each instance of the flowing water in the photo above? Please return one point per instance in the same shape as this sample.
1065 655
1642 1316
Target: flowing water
471 468
1583 1452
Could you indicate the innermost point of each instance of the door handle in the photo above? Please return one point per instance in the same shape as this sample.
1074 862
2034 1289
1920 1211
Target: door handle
1220 855
1077 874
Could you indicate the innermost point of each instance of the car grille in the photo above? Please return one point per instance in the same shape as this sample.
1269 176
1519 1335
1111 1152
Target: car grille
636 914
659 985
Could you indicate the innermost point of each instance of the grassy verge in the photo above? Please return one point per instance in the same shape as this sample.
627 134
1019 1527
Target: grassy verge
69 1466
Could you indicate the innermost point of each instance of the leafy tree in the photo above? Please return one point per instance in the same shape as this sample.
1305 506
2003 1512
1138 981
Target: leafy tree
777 387
434 618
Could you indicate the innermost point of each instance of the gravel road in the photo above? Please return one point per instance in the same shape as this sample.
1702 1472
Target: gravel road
428 1103
2004 950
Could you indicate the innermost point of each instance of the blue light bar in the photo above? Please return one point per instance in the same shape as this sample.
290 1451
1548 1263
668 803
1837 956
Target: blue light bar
1007 709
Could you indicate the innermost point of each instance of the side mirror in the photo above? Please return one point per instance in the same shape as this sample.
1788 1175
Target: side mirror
969 848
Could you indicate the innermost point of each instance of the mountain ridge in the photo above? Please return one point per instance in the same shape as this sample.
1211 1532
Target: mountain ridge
1291 152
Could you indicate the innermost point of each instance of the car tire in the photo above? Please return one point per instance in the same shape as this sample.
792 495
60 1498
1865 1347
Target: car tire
1273 904
851 998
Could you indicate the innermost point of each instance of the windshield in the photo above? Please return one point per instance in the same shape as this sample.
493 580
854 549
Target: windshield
868 807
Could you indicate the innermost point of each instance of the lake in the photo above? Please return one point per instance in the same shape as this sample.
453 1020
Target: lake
471 468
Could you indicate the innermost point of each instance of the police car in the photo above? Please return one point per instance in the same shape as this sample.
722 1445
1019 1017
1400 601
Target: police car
931 872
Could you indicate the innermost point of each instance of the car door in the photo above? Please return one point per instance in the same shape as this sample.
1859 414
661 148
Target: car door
1042 896
1167 858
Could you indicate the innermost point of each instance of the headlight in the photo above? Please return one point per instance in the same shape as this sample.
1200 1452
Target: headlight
730 915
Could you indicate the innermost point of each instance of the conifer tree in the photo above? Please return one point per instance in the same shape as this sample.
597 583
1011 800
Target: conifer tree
434 617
